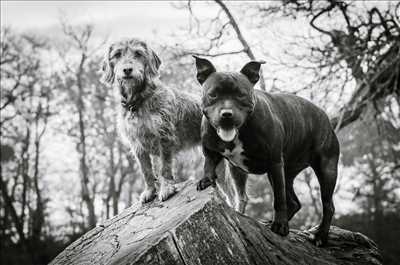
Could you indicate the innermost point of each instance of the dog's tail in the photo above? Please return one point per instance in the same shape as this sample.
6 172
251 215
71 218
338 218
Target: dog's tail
345 118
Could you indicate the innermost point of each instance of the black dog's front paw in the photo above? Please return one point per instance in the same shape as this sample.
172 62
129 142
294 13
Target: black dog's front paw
321 238
204 183
280 228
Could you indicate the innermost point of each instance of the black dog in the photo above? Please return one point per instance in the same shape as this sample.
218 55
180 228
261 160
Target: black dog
258 132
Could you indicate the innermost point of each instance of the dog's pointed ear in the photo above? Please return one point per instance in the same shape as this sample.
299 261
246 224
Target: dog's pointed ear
252 71
204 69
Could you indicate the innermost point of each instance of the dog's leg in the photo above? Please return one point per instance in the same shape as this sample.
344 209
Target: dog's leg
293 203
276 176
239 179
211 162
167 183
149 192
325 168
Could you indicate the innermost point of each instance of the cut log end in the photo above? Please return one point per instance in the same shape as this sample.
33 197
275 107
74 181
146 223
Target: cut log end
199 228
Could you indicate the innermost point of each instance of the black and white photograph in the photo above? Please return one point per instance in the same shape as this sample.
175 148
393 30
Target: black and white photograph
200 132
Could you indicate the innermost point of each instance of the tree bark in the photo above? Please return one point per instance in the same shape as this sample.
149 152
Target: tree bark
82 143
8 203
38 216
199 228
24 171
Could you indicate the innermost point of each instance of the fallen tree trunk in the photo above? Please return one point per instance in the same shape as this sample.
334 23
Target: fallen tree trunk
199 228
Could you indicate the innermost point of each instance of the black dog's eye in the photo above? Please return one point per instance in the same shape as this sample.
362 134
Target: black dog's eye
241 96
212 95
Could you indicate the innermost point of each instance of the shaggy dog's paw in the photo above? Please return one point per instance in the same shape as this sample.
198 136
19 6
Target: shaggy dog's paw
205 183
280 228
148 195
167 189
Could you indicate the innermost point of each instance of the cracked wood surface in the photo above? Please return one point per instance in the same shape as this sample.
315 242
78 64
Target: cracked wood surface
199 228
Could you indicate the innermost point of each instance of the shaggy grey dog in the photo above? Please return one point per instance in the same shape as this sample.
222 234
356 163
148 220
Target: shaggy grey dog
153 119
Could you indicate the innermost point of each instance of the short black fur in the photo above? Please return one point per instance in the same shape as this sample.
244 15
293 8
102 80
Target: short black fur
277 134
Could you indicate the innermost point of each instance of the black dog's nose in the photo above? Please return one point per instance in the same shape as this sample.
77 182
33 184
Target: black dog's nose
127 71
226 113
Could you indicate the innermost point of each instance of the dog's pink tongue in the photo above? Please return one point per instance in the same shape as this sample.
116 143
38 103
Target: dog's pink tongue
226 135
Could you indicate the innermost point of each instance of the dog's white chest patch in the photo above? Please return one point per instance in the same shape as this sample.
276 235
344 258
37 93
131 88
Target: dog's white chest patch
235 156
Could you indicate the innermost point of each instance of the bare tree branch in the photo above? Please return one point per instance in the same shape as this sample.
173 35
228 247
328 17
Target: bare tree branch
246 46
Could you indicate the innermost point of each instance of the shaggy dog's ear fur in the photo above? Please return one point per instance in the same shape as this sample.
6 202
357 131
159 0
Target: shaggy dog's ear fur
107 69
154 63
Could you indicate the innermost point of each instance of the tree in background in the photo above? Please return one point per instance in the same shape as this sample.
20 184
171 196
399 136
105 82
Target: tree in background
357 43
371 148
26 92
77 87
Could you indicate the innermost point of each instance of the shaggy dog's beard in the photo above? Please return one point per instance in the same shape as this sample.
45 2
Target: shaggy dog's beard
130 90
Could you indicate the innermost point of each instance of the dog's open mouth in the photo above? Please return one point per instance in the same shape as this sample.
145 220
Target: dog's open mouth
128 99
227 135
130 89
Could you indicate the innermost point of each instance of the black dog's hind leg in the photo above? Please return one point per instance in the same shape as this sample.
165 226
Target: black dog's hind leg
239 179
211 162
325 167
292 202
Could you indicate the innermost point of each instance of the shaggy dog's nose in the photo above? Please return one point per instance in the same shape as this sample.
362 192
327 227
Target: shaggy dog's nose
127 71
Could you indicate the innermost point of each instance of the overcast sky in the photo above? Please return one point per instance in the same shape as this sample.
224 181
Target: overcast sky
114 18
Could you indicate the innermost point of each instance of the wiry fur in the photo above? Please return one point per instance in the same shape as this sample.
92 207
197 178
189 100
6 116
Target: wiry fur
168 114
153 119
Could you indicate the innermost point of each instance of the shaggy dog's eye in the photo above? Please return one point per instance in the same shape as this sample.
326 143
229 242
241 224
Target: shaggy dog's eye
138 54
117 55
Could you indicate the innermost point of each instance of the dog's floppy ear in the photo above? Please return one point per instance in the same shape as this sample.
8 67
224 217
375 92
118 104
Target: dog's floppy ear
252 70
204 69
154 62
107 69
